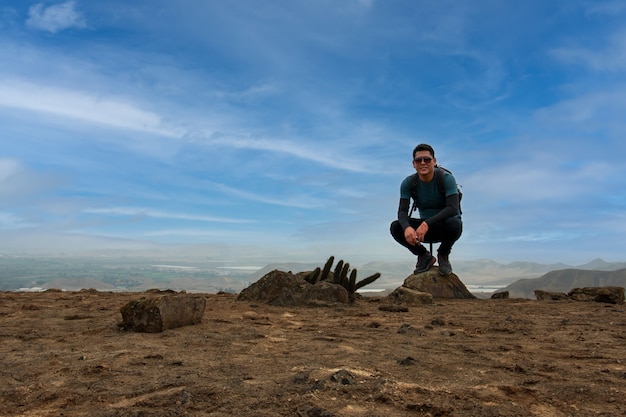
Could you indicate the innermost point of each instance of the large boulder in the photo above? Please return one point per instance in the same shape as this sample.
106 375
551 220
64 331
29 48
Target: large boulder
612 295
280 288
162 312
439 286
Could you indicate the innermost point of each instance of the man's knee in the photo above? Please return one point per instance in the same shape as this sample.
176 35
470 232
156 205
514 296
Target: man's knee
394 227
453 227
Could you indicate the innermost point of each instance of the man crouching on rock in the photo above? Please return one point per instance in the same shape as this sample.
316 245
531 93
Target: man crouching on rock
435 193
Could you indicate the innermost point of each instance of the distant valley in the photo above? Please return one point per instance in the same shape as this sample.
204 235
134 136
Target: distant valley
213 275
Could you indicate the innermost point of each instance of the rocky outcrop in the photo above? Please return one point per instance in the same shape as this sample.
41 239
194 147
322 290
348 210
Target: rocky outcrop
611 295
550 296
502 295
404 295
446 286
158 313
280 288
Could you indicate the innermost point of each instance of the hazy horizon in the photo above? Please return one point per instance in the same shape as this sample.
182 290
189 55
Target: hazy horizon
231 256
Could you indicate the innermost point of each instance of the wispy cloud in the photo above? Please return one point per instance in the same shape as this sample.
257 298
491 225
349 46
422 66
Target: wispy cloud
11 221
19 183
611 57
594 111
324 155
606 8
8 168
302 200
88 107
159 214
55 18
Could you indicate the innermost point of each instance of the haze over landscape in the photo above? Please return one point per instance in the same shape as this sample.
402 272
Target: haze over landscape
279 131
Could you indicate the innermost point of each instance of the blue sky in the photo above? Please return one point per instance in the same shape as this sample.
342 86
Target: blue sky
282 129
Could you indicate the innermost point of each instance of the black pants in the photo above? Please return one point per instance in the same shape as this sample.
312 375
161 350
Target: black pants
447 232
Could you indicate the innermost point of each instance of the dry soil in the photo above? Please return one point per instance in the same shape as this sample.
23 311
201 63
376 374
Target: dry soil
64 354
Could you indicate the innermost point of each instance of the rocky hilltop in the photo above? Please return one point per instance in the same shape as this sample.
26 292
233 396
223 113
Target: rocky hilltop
69 354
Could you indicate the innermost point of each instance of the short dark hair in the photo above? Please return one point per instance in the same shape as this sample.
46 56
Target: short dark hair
424 147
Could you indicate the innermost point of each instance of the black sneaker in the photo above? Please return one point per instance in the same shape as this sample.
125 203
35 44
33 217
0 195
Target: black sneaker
445 267
424 262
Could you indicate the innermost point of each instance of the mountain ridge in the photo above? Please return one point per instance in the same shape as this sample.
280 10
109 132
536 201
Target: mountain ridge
565 280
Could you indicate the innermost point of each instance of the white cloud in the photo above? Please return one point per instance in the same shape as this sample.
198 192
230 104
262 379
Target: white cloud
54 18
17 181
609 8
8 168
92 108
138 211
367 4
611 58
300 201
312 152
11 221
536 182
597 111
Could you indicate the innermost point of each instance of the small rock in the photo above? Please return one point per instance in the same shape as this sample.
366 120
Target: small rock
342 376
550 296
404 328
406 361
438 322
502 295
300 378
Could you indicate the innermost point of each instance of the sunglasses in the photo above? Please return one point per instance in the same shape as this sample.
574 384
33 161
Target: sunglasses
426 160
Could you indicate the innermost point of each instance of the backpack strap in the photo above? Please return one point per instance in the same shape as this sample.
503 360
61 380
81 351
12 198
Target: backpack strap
415 182
439 173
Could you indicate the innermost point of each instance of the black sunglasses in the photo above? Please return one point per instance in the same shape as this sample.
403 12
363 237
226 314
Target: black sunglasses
425 159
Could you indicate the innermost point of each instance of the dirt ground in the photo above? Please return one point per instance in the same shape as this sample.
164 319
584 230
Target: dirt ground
63 354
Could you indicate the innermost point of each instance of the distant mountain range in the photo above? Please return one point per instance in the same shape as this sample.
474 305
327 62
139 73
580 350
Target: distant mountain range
565 280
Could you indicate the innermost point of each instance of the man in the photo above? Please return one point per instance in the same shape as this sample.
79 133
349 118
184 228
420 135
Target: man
440 213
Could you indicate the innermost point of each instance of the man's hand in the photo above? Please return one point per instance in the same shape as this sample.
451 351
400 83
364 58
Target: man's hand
421 231
410 236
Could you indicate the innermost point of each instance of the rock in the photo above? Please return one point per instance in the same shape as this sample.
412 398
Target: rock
612 295
155 314
502 295
549 296
407 361
326 291
446 286
342 376
410 296
280 288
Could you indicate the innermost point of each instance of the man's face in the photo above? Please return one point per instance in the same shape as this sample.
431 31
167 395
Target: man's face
424 163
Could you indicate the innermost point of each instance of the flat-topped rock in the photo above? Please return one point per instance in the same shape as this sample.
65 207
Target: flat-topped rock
161 312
